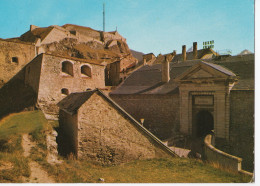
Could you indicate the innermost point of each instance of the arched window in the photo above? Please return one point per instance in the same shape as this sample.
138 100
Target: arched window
86 70
67 67
64 91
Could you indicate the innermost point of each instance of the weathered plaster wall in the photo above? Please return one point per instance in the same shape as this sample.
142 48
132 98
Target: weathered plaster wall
108 137
52 80
160 112
24 52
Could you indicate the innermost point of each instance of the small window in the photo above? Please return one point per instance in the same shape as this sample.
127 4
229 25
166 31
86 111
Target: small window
73 32
67 67
86 70
64 91
15 59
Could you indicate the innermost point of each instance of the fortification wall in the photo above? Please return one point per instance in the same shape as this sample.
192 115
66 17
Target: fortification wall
56 35
242 126
106 136
162 118
220 158
113 36
13 57
32 73
53 80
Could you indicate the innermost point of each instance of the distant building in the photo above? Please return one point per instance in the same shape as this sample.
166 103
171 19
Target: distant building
68 41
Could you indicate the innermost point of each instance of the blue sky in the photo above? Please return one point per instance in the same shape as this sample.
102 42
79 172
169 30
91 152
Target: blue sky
158 26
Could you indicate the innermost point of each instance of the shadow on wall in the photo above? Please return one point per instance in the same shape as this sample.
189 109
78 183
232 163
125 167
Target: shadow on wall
64 143
15 96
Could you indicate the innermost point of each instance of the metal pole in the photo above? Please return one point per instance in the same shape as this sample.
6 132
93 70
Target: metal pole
103 17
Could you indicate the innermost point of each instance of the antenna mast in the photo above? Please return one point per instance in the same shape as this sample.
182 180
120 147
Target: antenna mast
103 17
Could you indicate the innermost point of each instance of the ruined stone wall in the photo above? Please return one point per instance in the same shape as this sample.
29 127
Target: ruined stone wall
52 80
242 126
24 54
105 135
160 112
113 36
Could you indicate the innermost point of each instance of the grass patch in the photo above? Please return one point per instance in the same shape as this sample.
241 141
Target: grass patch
11 152
174 170
24 122
19 167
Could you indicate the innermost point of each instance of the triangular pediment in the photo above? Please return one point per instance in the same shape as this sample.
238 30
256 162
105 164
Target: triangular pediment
203 70
201 74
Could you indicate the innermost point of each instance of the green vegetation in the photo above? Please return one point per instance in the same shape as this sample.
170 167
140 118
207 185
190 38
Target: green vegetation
24 122
14 164
172 170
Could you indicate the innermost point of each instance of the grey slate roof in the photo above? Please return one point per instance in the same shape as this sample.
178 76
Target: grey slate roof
147 80
220 68
74 101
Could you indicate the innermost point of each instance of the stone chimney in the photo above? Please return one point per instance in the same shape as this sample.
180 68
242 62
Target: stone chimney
195 51
174 52
144 59
165 70
184 52
32 27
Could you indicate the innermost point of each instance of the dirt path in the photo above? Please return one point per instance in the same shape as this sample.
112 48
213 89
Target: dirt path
38 175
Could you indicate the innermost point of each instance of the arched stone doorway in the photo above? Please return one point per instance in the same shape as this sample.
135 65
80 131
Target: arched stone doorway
204 124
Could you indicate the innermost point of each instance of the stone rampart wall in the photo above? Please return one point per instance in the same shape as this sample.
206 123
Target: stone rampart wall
8 50
220 158
242 126
160 112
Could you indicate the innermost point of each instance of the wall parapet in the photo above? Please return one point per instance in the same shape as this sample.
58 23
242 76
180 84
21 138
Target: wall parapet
221 158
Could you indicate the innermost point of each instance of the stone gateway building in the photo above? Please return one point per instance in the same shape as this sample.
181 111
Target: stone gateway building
98 129
192 98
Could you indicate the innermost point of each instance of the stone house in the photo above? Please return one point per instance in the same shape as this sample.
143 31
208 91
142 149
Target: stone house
54 77
194 97
96 128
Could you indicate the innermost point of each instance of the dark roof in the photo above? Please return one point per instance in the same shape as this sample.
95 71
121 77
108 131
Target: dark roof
220 68
73 102
147 80
31 36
